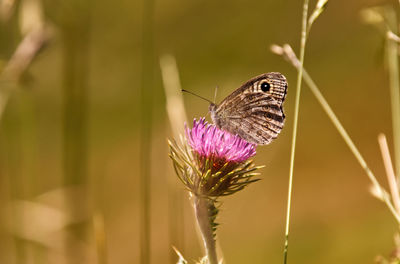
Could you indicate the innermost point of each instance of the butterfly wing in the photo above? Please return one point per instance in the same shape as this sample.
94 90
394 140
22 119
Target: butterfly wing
254 111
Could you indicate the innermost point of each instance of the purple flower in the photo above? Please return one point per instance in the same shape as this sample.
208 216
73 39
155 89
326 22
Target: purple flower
208 141
212 162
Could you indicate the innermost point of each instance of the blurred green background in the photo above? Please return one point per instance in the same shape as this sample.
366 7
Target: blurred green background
70 133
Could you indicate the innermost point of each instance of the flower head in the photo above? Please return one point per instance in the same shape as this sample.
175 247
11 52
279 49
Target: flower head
209 141
212 162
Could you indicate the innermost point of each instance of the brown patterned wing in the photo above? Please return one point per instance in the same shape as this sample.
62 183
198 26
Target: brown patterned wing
254 111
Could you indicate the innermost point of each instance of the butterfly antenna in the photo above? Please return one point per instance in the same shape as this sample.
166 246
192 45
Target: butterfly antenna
215 94
201 97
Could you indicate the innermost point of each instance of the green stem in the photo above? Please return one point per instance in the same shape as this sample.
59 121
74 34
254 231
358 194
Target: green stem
203 216
294 135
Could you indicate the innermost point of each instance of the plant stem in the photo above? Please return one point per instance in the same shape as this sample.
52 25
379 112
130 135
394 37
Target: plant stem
294 135
393 66
76 68
202 212
177 117
19 62
100 237
387 161
146 102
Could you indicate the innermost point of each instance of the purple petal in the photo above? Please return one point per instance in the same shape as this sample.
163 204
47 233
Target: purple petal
208 140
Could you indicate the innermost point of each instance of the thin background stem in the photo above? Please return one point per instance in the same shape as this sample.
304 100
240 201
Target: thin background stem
294 135
393 67
19 62
22 183
75 70
173 94
146 128
100 237
177 117
387 161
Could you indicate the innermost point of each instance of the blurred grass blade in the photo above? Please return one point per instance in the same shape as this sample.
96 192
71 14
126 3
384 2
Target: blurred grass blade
393 67
75 74
30 16
19 62
387 161
390 35
7 8
100 237
177 117
173 93
372 15
146 104
181 260
319 8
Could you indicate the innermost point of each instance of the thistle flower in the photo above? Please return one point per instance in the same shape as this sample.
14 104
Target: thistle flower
209 141
212 162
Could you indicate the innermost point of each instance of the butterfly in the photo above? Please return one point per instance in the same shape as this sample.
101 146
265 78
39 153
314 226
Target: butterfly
254 111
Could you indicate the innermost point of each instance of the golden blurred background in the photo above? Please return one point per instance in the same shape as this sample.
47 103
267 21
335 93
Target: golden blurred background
73 118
